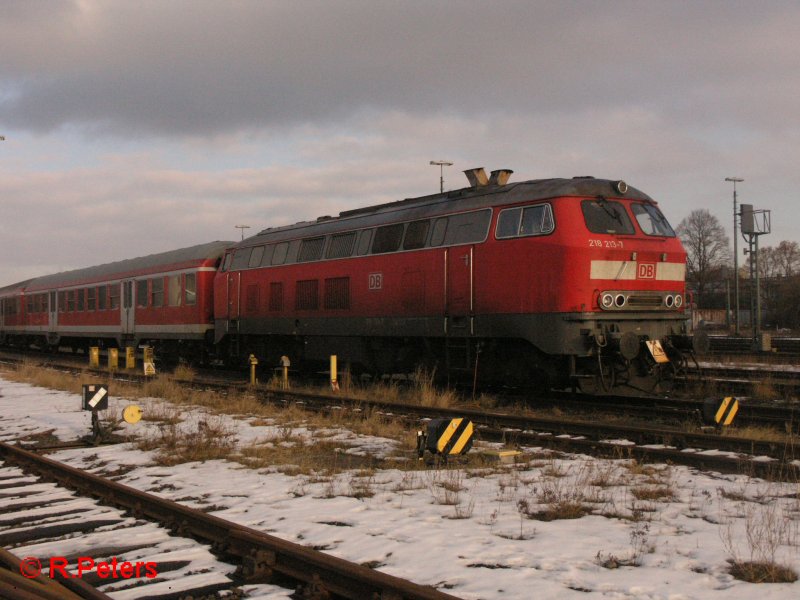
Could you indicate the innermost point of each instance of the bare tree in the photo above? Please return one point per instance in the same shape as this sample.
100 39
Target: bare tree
787 258
707 248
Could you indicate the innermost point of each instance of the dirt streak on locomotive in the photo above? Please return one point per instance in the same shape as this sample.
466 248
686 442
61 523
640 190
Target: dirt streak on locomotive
549 283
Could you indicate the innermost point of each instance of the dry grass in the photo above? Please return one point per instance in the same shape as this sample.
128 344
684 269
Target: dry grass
208 439
762 572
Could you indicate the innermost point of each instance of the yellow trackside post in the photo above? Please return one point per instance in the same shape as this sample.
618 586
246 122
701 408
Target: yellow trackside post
334 374
253 364
113 359
94 357
130 357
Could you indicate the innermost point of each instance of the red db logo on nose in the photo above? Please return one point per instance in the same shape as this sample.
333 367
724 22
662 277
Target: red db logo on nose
646 271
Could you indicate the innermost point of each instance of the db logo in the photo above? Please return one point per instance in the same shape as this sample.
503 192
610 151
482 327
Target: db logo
646 271
375 281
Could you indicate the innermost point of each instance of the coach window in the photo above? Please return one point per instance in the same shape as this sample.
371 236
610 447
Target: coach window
174 290
311 249
101 297
241 258
279 256
602 216
341 245
364 242
71 301
416 234
255 257
191 289
141 293
80 304
62 301
651 221
113 296
91 298
387 238
157 292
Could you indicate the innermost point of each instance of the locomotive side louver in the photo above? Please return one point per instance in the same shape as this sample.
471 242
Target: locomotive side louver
477 177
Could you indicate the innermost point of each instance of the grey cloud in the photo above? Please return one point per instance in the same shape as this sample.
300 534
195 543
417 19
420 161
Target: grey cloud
206 68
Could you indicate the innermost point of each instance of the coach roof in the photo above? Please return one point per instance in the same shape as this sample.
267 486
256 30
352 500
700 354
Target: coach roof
145 265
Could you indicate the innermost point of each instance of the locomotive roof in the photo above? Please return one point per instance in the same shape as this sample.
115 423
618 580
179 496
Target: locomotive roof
152 263
460 200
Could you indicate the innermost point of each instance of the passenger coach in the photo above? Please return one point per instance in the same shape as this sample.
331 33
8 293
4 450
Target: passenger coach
163 300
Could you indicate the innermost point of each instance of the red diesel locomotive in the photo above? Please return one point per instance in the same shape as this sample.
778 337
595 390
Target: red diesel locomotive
550 283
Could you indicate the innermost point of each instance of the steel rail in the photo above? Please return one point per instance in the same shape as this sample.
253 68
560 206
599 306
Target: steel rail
261 554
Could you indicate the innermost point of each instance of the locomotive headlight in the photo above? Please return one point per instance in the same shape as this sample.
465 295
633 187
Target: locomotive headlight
669 301
620 300
678 300
607 301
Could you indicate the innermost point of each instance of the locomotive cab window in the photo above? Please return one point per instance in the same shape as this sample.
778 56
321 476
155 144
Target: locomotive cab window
530 220
651 221
603 216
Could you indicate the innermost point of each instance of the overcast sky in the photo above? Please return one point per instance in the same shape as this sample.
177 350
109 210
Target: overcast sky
141 127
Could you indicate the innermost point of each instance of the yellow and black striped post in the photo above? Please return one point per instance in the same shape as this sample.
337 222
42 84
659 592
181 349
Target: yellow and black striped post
720 412
446 437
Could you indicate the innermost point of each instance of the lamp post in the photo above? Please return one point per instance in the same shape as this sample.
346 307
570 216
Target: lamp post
242 227
735 180
441 164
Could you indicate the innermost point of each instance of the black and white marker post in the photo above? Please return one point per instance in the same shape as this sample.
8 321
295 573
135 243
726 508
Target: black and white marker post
95 398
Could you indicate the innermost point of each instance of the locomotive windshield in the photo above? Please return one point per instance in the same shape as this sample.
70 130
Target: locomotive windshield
651 221
602 216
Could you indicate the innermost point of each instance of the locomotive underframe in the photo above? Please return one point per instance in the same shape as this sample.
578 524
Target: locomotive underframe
556 349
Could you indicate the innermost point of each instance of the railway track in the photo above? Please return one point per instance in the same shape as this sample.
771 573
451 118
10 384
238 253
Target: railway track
41 519
726 453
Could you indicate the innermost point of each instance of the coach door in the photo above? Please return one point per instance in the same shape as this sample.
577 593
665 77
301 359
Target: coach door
128 309
52 322
459 290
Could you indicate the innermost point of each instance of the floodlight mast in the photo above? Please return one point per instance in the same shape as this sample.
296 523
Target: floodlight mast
735 180
441 164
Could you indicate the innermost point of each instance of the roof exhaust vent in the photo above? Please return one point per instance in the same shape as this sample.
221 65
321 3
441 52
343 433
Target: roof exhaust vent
477 177
500 177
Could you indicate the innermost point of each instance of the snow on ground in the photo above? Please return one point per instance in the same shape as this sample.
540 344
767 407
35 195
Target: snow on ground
653 531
